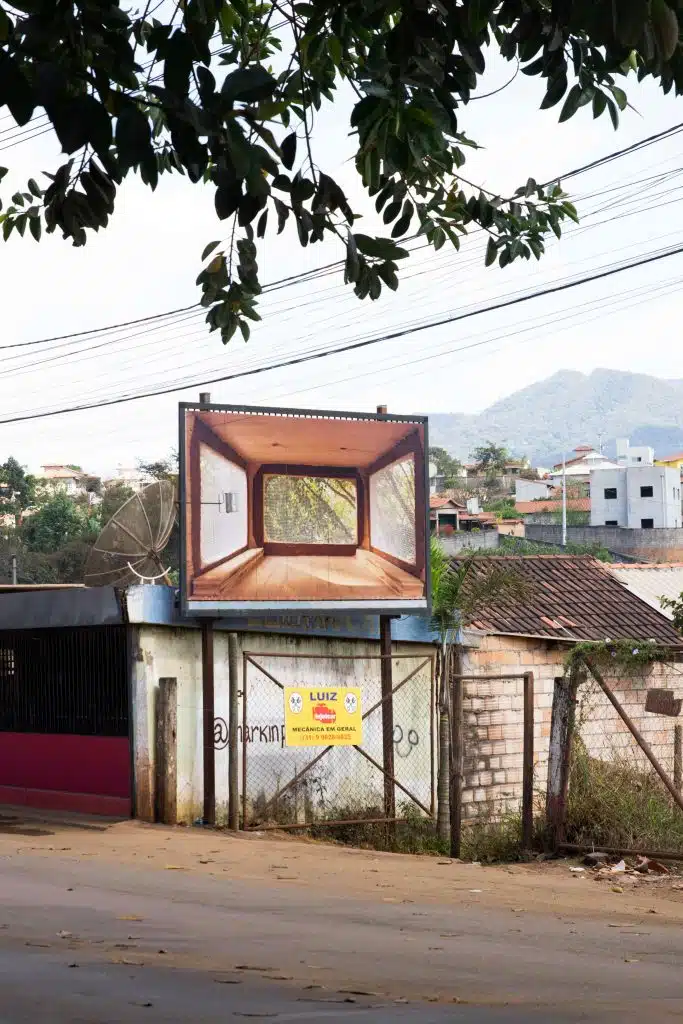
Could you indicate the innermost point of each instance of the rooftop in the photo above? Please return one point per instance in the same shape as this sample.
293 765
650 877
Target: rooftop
651 581
552 505
571 597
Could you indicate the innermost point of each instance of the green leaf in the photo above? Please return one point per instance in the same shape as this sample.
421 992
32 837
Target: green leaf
245 329
3 172
570 210
34 188
7 227
15 91
288 150
599 103
571 104
133 136
35 227
620 96
334 48
382 248
388 274
261 226
209 249
5 26
491 252
392 211
248 85
613 112
227 199
556 90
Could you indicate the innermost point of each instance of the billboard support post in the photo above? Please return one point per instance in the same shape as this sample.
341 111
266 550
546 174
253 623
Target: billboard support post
233 739
387 717
208 723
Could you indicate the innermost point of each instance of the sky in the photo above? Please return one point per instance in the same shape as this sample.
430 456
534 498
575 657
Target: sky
147 261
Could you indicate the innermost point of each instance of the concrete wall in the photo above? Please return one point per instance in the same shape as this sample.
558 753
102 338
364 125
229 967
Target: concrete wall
344 778
643 545
479 540
530 490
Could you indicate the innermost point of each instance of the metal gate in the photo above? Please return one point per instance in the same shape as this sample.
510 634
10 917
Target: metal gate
64 719
292 787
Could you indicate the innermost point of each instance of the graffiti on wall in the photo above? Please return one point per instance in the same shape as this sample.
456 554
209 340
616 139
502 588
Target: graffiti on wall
404 743
269 733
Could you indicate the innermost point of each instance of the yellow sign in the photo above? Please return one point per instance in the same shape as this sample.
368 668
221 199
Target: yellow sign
330 716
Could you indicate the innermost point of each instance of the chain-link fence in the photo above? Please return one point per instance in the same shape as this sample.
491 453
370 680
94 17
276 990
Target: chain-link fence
312 787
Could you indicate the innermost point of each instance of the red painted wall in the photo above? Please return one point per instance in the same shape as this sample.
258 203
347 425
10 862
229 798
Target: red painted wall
81 773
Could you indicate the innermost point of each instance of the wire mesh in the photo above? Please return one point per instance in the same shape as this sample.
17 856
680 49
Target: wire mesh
392 509
616 798
317 786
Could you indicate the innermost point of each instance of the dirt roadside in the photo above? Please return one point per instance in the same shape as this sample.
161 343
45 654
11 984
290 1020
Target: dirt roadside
282 860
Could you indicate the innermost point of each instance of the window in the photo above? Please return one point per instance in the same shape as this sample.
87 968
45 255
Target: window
610 493
611 522
639 459
647 524
646 492
309 510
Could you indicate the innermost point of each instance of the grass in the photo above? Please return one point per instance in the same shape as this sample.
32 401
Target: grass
620 804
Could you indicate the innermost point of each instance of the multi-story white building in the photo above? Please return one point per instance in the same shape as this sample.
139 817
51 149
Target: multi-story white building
638 496
631 455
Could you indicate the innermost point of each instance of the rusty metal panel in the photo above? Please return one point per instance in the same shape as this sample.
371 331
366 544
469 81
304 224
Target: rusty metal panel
663 702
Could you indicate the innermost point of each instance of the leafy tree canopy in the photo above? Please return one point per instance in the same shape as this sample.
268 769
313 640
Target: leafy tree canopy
17 488
58 522
113 498
447 466
226 93
491 457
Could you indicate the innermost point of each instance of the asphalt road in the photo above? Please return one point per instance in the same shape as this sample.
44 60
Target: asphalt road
88 942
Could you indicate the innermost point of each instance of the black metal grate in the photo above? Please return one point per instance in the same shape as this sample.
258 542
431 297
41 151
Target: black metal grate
64 681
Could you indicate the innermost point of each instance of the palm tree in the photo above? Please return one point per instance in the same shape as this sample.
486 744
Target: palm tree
460 589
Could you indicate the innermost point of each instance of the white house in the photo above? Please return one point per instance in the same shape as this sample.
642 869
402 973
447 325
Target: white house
636 496
629 455
581 465
533 490
63 478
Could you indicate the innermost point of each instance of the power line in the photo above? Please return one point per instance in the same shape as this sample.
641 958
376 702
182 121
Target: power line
294 361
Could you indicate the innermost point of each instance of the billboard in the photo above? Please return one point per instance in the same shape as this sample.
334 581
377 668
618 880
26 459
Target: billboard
286 509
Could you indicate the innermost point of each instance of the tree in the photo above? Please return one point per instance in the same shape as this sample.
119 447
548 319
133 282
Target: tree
55 524
17 488
460 590
113 498
447 466
491 458
162 469
93 485
224 91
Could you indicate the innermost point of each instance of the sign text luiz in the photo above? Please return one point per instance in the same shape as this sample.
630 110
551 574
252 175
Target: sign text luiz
322 718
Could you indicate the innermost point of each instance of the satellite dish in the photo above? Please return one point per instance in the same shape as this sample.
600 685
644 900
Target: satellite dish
129 547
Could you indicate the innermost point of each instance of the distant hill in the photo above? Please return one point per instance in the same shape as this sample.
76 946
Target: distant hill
568 409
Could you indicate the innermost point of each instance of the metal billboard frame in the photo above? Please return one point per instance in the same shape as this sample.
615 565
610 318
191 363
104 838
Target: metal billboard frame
399 607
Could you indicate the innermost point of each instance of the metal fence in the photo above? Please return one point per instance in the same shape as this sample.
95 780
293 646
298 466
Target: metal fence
69 681
292 787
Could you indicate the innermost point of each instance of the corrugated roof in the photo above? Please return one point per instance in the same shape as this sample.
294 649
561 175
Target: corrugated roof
651 581
571 597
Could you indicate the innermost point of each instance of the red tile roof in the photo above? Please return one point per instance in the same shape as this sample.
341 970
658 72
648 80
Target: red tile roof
570 597
441 501
552 505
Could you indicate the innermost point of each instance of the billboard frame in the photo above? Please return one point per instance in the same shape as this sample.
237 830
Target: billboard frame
399 607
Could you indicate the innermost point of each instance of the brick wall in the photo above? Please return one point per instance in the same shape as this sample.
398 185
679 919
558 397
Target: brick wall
605 734
493 714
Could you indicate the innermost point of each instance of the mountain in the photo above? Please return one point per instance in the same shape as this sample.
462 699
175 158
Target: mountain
568 409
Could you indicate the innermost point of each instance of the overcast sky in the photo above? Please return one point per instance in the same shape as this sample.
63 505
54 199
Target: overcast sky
147 261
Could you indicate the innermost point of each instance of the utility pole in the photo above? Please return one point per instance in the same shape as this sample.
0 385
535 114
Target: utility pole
14 570
564 501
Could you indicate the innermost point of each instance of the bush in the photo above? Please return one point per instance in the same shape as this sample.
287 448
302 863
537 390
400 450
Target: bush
620 804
